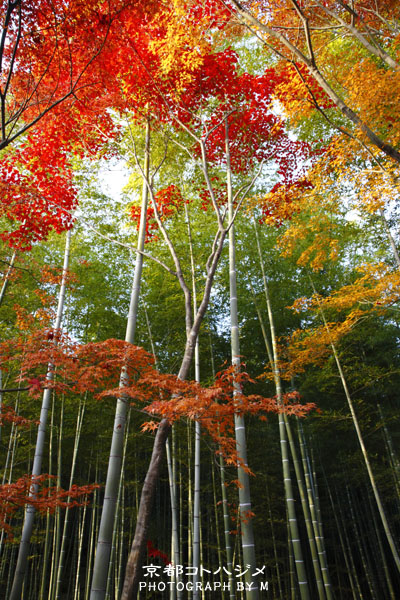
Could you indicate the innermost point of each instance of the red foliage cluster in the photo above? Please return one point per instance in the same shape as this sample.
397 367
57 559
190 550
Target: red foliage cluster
280 204
36 189
8 415
84 59
19 494
169 201
97 368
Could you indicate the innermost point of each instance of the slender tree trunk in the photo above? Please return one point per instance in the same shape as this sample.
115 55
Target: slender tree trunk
197 434
104 542
61 562
246 524
287 480
23 554
375 490
132 574
7 276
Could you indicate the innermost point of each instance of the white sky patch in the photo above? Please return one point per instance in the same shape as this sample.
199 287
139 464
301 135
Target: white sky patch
113 178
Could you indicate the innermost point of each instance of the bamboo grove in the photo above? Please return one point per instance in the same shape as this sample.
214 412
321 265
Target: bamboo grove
199 305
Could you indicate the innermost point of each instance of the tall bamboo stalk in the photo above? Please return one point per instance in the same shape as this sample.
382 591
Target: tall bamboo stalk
111 565
92 534
174 514
57 520
248 547
371 476
393 458
23 553
287 480
316 525
225 507
104 542
61 562
133 569
306 512
197 434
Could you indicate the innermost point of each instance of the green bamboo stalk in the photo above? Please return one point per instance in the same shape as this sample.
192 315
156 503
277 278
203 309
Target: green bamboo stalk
119 581
292 565
104 542
248 547
287 480
217 532
81 528
386 571
360 546
9 463
271 522
62 556
43 592
196 491
92 534
316 522
58 532
352 571
111 566
225 507
23 554
394 461
306 512
371 476
174 512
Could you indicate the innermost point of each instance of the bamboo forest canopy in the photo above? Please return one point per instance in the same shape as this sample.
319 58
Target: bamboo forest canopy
199 305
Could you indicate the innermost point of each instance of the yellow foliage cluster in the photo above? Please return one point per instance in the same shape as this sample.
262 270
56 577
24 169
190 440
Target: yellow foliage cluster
314 345
378 287
183 44
374 93
372 188
315 224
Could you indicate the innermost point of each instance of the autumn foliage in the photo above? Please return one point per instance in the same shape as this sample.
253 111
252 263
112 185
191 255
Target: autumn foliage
47 498
97 368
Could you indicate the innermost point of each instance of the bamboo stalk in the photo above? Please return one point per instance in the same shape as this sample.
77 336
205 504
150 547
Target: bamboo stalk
248 546
104 542
22 561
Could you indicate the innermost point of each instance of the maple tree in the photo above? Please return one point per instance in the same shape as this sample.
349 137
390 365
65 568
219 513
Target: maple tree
16 495
229 102
297 32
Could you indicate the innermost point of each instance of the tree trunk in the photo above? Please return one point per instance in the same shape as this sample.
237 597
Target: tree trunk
104 542
23 553
246 524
